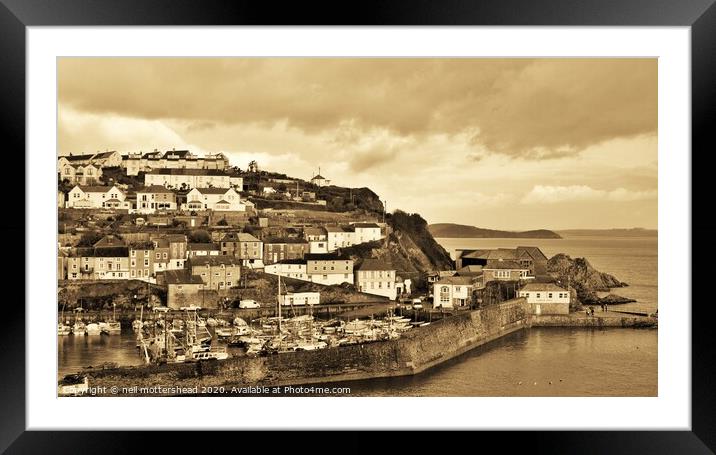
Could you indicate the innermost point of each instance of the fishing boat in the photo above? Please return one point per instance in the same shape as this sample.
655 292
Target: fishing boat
137 324
79 328
62 328
224 332
201 351
93 329
111 327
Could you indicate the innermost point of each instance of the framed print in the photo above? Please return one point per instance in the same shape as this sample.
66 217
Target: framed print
382 224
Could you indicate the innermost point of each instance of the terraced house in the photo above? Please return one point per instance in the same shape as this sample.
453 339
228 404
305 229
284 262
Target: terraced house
155 197
329 269
243 246
376 277
276 250
141 261
218 273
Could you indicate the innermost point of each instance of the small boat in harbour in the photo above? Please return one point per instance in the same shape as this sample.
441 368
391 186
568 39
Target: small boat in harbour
63 329
111 327
93 329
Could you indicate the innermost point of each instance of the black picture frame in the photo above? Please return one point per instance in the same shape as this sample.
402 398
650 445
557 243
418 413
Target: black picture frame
700 15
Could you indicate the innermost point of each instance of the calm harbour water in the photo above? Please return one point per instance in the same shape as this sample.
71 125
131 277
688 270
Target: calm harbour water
577 362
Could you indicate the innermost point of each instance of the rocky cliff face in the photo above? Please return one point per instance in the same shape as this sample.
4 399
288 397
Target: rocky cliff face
584 278
410 249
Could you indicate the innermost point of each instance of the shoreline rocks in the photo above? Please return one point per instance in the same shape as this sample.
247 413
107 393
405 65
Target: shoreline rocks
585 279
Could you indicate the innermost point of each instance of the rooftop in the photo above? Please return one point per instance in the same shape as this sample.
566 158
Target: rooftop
94 188
374 264
110 240
456 280
213 190
167 171
239 237
154 189
542 287
214 260
202 247
181 277
502 264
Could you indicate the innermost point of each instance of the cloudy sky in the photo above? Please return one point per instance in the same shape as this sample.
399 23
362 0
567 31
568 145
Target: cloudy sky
497 143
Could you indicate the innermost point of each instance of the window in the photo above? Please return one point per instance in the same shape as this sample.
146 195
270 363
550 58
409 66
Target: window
146 262
134 263
165 255
537 295
134 273
549 296
134 253
444 294
158 256
228 284
457 288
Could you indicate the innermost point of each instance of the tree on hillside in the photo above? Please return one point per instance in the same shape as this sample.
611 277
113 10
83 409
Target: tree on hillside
89 239
199 236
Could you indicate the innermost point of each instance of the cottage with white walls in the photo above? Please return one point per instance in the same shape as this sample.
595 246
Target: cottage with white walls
96 197
218 199
546 298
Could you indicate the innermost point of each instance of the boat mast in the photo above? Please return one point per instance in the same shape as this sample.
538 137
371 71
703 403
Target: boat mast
278 299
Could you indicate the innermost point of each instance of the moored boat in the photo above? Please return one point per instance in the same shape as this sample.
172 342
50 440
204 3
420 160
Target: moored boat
63 329
93 329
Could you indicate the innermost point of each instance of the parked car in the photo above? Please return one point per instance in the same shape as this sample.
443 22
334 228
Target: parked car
249 304
417 304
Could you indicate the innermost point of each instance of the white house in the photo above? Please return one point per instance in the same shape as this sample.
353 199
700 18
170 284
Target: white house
339 237
366 232
81 174
375 277
300 298
452 292
320 180
96 197
192 178
317 239
546 298
329 269
288 268
218 199
99 159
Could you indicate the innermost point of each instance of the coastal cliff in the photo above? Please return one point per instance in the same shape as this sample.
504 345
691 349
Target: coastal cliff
409 248
584 278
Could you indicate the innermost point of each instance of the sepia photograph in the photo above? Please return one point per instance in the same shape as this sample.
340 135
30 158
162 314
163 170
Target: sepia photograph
357 227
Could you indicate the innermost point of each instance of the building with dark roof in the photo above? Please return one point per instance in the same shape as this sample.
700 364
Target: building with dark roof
219 273
530 258
375 276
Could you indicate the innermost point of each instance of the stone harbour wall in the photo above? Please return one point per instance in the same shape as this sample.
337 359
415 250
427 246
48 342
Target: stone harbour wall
418 350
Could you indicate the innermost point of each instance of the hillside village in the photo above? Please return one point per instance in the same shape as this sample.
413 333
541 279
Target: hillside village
198 228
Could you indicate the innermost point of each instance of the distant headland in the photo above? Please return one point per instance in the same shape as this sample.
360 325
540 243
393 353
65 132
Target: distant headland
451 230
